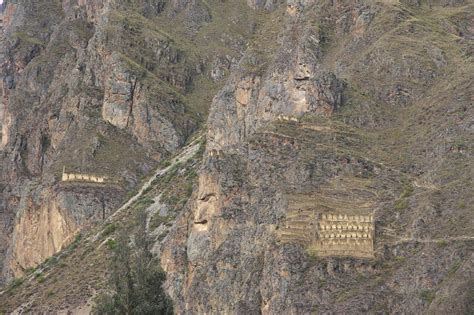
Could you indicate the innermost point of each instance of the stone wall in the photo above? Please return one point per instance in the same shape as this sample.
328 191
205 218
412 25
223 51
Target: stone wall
68 177
328 234
344 235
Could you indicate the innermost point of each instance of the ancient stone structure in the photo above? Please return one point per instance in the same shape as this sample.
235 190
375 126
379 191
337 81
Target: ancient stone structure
287 118
344 235
330 234
68 177
215 153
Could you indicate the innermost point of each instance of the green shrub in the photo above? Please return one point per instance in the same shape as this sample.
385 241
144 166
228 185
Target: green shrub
144 202
157 220
399 259
109 229
15 283
75 243
407 191
454 267
427 296
51 260
40 278
136 278
401 204
30 270
111 244
166 163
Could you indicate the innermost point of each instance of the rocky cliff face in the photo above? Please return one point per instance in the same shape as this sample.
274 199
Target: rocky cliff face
332 109
348 107
96 87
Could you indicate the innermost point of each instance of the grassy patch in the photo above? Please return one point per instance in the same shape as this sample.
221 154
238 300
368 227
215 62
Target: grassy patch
144 202
407 191
109 229
157 220
427 296
111 244
15 283
40 278
29 39
454 268
401 204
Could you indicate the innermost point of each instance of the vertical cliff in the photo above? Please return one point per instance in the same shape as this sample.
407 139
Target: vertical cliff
353 108
357 111
101 87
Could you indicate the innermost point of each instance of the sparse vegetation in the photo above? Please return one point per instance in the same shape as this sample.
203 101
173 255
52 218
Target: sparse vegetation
111 244
454 268
401 204
136 278
109 229
393 136
407 191
15 283
427 296
40 278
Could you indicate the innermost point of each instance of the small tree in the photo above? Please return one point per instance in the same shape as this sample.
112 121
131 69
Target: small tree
136 278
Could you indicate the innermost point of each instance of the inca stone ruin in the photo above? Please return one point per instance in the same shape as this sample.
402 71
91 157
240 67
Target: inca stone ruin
69 177
330 234
287 118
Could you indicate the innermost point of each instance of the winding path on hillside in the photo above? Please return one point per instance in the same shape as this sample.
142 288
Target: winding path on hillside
434 240
187 153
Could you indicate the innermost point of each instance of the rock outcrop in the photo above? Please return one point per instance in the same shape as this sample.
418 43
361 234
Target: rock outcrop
96 87
355 110
337 68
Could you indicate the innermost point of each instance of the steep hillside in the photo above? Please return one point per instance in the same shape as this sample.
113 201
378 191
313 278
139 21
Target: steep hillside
354 109
69 280
336 175
104 88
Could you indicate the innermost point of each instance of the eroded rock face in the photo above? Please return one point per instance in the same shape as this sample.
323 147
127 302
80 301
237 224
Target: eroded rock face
292 88
38 234
292 132
208 207
49 220
293 85
264 4
335 107
119 95
86 88
99 87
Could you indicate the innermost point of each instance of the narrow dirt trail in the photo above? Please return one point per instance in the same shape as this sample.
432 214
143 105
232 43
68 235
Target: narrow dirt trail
187 153
434 240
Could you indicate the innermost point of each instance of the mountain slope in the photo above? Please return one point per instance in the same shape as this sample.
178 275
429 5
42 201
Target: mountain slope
382 95
107 88
336 107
